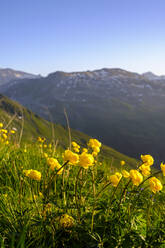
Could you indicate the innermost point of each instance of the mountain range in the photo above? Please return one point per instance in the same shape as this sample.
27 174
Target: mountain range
124 110
7 74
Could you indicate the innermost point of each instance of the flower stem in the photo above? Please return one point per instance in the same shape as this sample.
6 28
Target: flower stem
76 194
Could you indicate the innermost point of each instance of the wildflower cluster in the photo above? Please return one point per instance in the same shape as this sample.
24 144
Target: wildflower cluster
71 157
54 164
115 179
41 139
95 145
162 166
85 159
147 162
63 195
33 174
76 147
136 177
155 184
5 134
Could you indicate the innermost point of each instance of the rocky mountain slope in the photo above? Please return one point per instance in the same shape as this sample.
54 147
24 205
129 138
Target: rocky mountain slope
123 109
6 75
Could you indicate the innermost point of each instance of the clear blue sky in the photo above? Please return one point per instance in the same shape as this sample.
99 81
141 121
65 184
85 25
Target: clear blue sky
42 36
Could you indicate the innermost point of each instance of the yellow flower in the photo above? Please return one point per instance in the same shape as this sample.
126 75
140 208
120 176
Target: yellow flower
35 197
45 155
12 131
4 136
155 184
162 166
145 169
54 164
94 143
136 177
33 174
40 194
4 131
70 156
45 146
85 150
66 221
115 179
125 173
96 149
122 162
147 159
94 154
42 140
86 160
76 147
74 144
1 124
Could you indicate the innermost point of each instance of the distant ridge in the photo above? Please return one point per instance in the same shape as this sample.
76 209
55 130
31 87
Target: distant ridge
125 110
7 74
151 76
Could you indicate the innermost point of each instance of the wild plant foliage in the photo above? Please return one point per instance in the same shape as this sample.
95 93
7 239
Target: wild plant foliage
72 199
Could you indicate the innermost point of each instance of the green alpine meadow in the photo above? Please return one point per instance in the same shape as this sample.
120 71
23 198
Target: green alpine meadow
61 188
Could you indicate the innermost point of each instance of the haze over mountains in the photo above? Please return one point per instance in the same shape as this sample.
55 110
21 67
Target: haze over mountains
124 110
7 74
14 117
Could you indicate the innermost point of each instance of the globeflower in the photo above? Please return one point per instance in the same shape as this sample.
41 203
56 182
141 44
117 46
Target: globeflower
147 159
45 155
162 166
86 160
54 164
125 173
41 139
96 149
74 144
70 156
12 131
4 136
155 184
76 147
85 150
66 221
145 169
122 162
115 179
94 143
4 131
94 154
136 177
33 174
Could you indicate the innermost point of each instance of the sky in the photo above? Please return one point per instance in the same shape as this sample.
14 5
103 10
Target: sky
43 36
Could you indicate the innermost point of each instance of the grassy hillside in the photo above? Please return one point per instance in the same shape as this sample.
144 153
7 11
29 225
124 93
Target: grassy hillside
13 115
73 199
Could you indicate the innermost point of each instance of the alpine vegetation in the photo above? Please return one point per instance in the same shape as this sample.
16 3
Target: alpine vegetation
73 198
